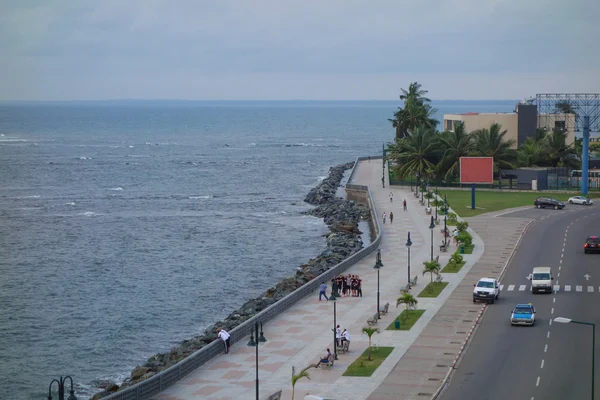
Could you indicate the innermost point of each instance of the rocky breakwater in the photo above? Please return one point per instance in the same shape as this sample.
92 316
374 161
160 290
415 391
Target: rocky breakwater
342 241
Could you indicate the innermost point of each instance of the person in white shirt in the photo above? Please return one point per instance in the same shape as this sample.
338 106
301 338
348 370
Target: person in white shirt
225 338
345 336
338 335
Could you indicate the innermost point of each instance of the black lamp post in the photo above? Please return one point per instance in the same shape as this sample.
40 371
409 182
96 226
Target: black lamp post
252 342
335 357
431 228
445 230
411 182
408 244
378 265
445 205
436 206
61 388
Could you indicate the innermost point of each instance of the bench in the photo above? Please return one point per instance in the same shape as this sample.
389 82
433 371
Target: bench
443 247
275 396
373 321
413 281
384 309
405 289
439 278
437 259
329 362
428 210
344 347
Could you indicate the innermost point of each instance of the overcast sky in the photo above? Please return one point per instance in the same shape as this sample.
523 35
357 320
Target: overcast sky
296 49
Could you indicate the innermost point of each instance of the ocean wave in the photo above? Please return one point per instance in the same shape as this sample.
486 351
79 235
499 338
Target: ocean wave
118 188
72 203
35 196
138 155
88 214
310 145
83 158
199 197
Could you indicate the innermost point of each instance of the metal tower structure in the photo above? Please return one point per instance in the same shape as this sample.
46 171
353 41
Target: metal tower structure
578 112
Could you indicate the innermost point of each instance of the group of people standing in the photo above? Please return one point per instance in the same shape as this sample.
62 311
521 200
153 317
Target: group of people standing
349 286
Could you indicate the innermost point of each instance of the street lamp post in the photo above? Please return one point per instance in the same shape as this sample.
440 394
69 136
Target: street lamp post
431 228
436 204
378 265
335 356
408 244
563 320
61 388
252 342
445 230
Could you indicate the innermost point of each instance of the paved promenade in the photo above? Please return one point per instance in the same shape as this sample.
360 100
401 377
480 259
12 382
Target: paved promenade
422 356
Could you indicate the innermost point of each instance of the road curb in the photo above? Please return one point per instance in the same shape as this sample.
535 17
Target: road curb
478 319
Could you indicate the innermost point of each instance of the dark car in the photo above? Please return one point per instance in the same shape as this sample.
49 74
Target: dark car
547 202
592 243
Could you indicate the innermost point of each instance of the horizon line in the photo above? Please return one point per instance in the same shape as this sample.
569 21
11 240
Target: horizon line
231 100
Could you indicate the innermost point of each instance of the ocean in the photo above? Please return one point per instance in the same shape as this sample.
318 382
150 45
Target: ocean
129 226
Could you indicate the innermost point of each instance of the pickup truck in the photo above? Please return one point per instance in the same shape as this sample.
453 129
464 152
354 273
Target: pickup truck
487 289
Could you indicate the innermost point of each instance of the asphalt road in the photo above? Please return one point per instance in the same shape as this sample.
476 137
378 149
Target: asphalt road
549 360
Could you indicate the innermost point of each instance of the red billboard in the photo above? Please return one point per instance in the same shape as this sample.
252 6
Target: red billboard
476 170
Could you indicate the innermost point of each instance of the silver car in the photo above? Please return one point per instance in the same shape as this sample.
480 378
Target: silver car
586 201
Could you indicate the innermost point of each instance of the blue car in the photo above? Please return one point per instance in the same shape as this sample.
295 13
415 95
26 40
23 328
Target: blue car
523 314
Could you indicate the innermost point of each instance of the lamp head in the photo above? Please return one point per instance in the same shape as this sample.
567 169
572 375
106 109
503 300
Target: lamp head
432 224
408 241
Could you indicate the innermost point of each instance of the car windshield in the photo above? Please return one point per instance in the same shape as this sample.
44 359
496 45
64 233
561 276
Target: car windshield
523 310
485 284
541 277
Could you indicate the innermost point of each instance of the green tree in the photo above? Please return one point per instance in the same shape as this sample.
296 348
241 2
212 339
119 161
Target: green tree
416 153
530 153
296 377
565 107
558 152
455 144
417 111
492 143
431 267
370 331
409 302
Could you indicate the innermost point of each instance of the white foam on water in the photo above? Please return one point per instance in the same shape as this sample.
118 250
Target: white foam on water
118 188
199 197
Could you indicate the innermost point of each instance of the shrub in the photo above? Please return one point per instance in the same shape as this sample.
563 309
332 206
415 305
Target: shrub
428 195
456 258
465 238
452 216
462 226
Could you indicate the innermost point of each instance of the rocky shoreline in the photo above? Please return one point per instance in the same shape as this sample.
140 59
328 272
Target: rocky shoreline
343 240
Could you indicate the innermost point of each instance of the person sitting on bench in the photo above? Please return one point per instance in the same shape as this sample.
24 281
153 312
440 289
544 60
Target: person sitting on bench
324 360
345 336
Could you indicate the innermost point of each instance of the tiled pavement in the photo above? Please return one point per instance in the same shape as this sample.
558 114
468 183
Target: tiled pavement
421 356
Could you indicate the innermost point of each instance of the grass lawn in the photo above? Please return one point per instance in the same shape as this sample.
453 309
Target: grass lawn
486 201
363 367
468 249
453 268
433 289
407 320
450 222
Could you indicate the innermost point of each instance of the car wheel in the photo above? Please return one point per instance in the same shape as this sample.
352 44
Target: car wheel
492 301
475 301
570 201
556 207
585 251
498 295
533 323
539 206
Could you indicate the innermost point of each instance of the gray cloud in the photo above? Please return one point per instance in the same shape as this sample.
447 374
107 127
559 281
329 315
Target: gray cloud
157 48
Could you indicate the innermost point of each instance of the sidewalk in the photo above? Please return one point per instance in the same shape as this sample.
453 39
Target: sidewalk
299 336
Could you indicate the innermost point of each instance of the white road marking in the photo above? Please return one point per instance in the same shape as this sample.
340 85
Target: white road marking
556 288
558 275
542 366
590 289
567 288
562 255
554 300
537 383
549 322
552 310
511 288
548 335
545 348
501 287
578 288
521 288
560 266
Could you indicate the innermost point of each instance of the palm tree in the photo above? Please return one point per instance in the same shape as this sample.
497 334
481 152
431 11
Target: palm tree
558 152
415 153
408 300
529 154
370 331
565 107
457 144
431 267
491 143
417 111
296 378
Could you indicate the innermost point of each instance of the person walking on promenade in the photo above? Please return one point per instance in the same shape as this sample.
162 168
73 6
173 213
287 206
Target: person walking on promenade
322 291
338 336
384 217
404 204
383 181
225 338
391 197
391 217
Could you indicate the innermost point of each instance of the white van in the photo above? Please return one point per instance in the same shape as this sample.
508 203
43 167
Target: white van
541 280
